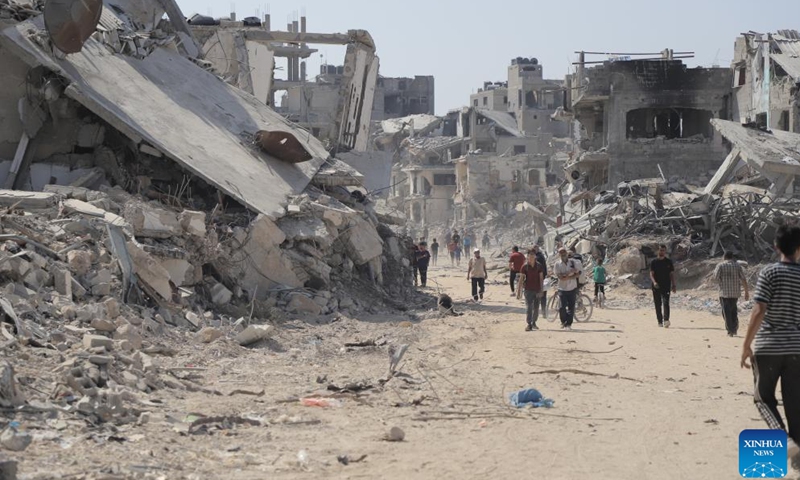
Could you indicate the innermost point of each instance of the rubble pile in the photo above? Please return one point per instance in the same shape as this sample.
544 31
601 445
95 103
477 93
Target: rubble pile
19 10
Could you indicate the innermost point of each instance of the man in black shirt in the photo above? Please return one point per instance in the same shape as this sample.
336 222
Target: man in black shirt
662 274
543 264
434 251
423 260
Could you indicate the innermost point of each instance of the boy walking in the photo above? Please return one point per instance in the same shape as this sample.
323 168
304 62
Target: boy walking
423 260
662 274
599 277
434 251
731 278
515 264
775 327
531 282
477 274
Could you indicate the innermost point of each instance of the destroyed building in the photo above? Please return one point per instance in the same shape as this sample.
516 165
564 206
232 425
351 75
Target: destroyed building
644 118
338 109
397 97
766 80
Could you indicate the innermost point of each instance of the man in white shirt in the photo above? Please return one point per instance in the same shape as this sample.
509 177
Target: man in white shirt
568 271
477 274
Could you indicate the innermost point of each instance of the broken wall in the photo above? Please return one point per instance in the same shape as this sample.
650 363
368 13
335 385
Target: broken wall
13 74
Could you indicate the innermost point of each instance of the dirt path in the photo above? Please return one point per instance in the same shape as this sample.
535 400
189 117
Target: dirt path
663 403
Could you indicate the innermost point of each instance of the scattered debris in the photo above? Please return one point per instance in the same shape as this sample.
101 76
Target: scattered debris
395 434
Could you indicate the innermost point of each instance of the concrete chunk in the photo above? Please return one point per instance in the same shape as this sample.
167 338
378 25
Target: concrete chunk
129 333
254 334
194 223
151 221
150 271
362 241
27 200
102 325
208 335
301 304
220 295
80 262
94 341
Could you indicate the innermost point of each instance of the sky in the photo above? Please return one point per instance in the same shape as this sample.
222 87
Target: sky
462 44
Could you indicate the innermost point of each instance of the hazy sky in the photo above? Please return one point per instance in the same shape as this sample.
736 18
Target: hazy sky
465 43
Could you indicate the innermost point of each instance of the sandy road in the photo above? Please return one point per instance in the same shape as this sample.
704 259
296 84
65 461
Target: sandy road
664 403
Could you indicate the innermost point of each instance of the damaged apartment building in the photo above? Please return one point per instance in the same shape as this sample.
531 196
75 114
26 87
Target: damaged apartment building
766 80
645 118
113 127
488 157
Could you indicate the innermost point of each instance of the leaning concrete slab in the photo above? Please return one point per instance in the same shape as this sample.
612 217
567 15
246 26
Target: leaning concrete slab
27 200
183 111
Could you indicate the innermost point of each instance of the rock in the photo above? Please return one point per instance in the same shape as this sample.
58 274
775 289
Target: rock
102 325
151 221
395 434
112 307
208 335
100 359
254 334
36 278
101 290
144 418
301 304
102 276
220 295
306 229
180 271
193 223
63 282
78 291
129 333
8 468
362 241
194 319
94 341
266 265
321 301
14 440
80 262
10 394
346 303
150 271
630 261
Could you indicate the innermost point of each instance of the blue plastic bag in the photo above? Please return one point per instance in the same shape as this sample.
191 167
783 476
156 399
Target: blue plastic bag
531 397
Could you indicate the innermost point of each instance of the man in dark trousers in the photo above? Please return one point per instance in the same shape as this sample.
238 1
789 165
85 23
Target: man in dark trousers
435 251
543 265
731 278
662 274
423 260
531 281
515 264
775 327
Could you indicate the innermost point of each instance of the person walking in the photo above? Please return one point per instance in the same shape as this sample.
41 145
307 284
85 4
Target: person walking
543 264
486 241
451 249
413 258
567 271
477 274
532 283
515 263
599 278
456 237
423 260
458 252
775 327
662 274
731 279
434 251
467 242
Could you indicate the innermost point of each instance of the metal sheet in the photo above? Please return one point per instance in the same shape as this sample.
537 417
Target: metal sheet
71 22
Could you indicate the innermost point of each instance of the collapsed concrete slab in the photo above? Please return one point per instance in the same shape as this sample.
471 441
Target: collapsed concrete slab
170 103
262 265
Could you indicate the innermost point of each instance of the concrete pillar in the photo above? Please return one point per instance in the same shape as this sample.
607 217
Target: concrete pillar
303 24
267 22
302 71
289 60
233 16
296 60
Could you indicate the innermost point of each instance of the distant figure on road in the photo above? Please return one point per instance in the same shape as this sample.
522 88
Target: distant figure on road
458 251
731 279
599 278
413 258
467 242
486 241
542 263
423 260
662 274
775 327
434 251
567 270
456 237
477 274
451 249
515 264
532 283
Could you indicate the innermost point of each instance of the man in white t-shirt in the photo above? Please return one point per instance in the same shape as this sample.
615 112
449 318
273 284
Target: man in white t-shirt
477 274
568 271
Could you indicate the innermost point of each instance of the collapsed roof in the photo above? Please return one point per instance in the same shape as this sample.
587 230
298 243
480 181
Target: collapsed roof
158 98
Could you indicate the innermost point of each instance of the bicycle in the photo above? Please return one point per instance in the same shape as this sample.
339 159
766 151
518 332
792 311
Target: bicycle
584 307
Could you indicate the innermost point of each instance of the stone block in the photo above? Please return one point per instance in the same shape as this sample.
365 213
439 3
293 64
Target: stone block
150 271
208 335
303 305
181 272
100 359
151 221
193 223
128 333
101 290
112 307
102 276
254 334
220 295
36 278
102 325
267 264
94 341
80 262
630 261
27 200
63 282
306 229
78 291
362 241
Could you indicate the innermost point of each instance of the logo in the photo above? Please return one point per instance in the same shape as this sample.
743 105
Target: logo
762 454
